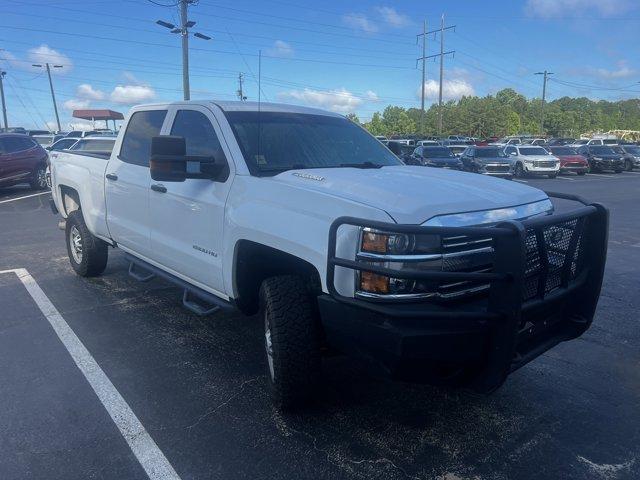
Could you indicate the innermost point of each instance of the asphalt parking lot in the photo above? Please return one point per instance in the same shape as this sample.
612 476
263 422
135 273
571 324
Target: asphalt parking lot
198 385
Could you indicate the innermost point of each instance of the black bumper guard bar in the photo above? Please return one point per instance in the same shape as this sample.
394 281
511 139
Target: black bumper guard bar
533 302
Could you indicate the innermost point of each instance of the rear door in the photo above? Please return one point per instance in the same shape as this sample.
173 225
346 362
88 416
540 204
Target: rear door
187 217
128 181
19 159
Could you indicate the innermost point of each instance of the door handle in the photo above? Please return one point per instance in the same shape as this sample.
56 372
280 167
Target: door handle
156 187
112 176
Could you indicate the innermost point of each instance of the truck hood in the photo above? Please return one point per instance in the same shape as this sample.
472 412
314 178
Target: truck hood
538 158
414 194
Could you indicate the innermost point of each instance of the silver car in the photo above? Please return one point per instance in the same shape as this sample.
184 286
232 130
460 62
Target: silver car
532 160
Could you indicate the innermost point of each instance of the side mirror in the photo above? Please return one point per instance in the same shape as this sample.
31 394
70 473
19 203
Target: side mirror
170 163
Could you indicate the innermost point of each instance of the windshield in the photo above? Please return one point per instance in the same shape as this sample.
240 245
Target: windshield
272 142
43 140
489 153
534 151
563 151
599 150
632 150
102 145
582 142
436 152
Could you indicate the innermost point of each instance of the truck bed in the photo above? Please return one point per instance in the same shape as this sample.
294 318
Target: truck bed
83 172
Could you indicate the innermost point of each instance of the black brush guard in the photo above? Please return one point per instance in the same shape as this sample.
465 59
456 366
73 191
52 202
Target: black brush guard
544 285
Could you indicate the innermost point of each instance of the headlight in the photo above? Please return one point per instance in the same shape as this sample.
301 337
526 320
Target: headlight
597 158
397 251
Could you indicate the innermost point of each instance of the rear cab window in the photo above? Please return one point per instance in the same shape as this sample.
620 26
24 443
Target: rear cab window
136 143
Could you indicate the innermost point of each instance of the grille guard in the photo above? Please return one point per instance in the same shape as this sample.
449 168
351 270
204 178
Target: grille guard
534 301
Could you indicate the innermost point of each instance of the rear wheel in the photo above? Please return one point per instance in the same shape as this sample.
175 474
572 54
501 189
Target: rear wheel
39 178
88 255
292 340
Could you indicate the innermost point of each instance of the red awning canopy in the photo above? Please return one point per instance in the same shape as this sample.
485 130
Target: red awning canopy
97 115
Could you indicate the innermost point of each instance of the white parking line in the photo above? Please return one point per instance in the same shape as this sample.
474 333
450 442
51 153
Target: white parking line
565 178
600 175
153 461
633 173
521 181
26 196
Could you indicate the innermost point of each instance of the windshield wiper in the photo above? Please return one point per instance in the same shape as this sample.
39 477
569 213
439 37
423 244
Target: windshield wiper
360 165
297 166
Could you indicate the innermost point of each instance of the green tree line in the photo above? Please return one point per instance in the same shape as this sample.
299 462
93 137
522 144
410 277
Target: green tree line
509 113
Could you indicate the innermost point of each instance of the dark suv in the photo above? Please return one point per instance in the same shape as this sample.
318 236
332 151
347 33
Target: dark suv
22 160
602 157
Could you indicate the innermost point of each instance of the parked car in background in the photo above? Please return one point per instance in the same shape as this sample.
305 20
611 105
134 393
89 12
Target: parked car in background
457 150
31 133
630 155
570 160
382 138
424 143
403 152
439 156
489 160
47 140
22 160
507 141
94 144
553 142
62 144
602 157
532 160
535 141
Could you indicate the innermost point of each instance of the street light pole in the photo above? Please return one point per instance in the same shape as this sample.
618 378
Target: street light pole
53 95
4 105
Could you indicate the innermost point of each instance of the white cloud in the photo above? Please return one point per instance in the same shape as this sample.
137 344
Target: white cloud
623 71
338 100
576 8
453 89
87 92
393 18
132 94
76 104
44 54
360 21
280 49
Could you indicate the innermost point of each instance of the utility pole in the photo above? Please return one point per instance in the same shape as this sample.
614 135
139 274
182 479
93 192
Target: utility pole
183 30
240 90
545 77
53 95
441 55
4 106
424 71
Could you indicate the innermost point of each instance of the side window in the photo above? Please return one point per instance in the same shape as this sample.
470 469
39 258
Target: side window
200 137
13 144
418 151
510 150
136 144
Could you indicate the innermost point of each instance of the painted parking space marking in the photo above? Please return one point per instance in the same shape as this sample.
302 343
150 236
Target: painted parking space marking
600 175
521 181
151 458
566 178
633 173
25 196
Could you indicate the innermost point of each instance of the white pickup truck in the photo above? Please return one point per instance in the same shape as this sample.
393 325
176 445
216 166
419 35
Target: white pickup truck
301 215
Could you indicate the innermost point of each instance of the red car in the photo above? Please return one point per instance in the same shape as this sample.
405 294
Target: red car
22 160
570 160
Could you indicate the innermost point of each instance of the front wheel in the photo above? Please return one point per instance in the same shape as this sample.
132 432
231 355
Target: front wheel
617 171
519 173
88 255
628 166
39 178
552 175
291 338
581 173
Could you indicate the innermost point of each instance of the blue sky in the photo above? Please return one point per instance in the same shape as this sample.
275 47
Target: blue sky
356 56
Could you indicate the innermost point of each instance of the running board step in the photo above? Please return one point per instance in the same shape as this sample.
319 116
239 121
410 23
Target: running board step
140 276
190 303
194 299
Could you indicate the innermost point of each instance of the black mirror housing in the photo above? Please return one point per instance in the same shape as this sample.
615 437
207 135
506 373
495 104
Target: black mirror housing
169 162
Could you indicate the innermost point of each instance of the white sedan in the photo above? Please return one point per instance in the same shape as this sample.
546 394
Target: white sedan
532 160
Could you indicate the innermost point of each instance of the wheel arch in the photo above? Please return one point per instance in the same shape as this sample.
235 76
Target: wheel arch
70 199
253 262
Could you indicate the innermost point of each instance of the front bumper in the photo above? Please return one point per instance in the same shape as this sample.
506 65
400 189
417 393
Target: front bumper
544 287
607 164
533 169
574 167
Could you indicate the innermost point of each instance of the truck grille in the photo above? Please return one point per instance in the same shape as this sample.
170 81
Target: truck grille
547 253
498 168
544 164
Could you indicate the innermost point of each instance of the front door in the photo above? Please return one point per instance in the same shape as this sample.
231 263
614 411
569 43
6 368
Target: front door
187 217
128 181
